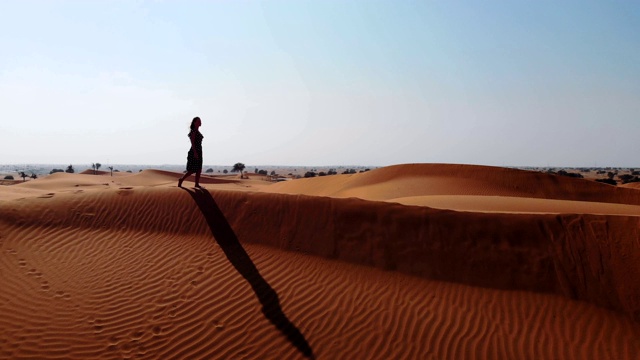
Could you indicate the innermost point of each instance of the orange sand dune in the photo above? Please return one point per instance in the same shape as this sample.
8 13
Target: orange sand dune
141 268
471 188
633 185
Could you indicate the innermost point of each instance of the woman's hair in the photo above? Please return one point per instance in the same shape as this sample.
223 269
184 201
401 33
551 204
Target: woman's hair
193 123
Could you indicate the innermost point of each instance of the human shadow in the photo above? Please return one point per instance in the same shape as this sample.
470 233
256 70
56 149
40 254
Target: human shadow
238 257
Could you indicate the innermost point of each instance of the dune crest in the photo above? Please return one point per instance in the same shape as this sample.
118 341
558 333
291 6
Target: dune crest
132 266
411 180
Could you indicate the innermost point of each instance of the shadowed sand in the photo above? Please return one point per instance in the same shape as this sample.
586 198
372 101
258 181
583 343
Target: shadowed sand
226 238
424 261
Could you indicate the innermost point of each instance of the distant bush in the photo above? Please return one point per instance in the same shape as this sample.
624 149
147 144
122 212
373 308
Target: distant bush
626 178
9 177
263 172
56 171
322 173
209 170
309 174
635 172
569 174
225 171
608 181
70 169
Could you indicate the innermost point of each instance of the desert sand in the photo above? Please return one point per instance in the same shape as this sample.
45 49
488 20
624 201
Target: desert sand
416 261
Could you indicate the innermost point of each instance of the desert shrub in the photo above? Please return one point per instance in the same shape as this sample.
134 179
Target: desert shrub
209 170
332 172
309 174
263 172
225 171
626 178
635 172
70 169
9 177
608 181
322 173
569 174
55 171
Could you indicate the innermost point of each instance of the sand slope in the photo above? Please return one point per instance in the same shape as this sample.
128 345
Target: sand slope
141 268
471 188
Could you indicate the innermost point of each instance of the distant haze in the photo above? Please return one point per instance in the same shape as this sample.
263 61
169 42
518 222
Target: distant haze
514 83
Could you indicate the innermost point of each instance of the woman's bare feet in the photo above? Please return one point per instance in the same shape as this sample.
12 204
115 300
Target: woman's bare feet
179 183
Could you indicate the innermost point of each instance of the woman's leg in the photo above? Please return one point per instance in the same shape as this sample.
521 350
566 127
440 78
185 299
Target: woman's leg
184 177
198 177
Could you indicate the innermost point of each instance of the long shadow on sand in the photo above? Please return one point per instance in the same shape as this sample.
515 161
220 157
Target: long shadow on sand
228 241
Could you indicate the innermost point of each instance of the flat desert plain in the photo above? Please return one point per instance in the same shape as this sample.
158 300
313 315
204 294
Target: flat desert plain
416 261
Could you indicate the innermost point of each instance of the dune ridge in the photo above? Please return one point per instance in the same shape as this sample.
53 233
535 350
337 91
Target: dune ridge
587 257
134 267
412 180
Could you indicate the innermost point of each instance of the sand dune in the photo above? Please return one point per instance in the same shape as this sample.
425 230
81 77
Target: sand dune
332 268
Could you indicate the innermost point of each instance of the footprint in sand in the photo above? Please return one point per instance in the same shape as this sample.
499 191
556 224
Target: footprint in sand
137 335
157 330
97 325
124 191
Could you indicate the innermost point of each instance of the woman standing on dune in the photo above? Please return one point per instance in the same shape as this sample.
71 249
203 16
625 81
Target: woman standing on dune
194 156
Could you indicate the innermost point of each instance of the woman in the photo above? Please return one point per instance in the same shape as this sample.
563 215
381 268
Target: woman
194 156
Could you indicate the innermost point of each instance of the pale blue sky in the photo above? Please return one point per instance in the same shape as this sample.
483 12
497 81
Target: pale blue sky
514 83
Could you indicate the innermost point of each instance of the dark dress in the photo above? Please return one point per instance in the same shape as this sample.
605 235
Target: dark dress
193 164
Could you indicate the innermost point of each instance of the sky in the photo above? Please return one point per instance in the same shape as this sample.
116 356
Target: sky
358 82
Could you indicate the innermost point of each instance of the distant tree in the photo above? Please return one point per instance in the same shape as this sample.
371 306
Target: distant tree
129 171
608 181
225 171
309 174
239 167
55 171
98 166
569 174
263 172
111 169
273 173
8 177
70 169
322 173
209 170
332 172
611 174
93 166
256 171
626 178
23 176
34 176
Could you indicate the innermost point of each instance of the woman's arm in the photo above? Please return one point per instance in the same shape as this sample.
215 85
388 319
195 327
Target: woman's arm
194 148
